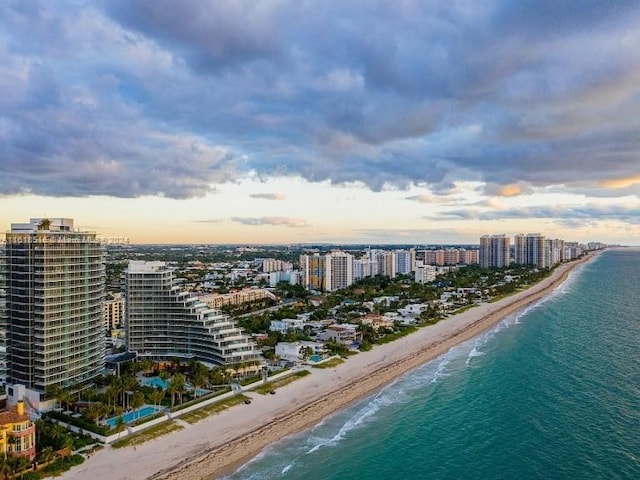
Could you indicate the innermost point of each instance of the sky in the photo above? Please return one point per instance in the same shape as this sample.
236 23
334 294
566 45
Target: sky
293 121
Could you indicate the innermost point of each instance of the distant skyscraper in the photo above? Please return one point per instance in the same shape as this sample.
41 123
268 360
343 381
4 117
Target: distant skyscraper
112 311
405 261
339 270
163 322
386 264
468 257
434 257
520 249
494 251
55 290
537 250
531 249
313 271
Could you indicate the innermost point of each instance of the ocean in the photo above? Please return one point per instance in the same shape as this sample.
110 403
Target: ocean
551 392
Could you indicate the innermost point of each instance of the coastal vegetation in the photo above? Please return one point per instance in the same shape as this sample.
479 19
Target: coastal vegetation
147 434
331 363
213 408
269 387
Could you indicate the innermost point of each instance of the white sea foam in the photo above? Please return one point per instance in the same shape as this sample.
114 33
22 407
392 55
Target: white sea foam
473 354
441 369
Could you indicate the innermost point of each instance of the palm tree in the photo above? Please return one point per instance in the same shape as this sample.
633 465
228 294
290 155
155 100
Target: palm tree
47 454
175 364
115 388
156 396
218 376
65 398
103 410
5 468
53 392
199 380
177 385
171 390
120 425
147 365
112 393
137 400
129 383
90 393
92 412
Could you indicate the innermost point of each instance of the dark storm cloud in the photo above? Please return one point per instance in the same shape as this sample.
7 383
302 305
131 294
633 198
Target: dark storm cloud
131 98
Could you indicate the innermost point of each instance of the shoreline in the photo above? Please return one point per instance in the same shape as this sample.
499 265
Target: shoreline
221 443
212 466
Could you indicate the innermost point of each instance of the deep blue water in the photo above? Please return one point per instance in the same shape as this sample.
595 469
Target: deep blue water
550 393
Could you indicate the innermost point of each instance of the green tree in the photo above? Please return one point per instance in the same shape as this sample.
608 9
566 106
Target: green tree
54 392
137 400
156 396
120 425
199 380
129 386
47 454
65 399
146 365
177 384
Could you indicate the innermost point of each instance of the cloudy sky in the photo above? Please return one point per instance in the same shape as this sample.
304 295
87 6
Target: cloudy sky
282 121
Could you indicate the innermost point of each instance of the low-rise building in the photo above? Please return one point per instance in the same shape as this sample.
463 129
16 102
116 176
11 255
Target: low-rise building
298 351
246 295
287 324
376 321
424 273
344 333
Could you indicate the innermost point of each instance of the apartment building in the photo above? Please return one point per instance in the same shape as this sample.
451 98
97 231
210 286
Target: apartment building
113 311
163 322
55 289
494 251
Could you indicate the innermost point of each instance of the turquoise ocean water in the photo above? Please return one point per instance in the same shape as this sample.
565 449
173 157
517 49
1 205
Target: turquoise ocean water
552 392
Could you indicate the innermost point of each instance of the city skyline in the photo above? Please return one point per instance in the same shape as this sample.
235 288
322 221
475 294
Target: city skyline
357 122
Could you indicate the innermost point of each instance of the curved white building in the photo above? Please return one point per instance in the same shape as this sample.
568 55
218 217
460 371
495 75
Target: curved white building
163 322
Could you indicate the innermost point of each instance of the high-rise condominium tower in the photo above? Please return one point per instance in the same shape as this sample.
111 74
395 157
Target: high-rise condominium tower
55 289
494 251
163 322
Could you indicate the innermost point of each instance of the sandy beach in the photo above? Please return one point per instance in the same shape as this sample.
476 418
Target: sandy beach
219 444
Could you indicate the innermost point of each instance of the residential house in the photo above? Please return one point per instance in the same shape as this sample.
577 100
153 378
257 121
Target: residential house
344 333
17 433
298 351
376 321
286 324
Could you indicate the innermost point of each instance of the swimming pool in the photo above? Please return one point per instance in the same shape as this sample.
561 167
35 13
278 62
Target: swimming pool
129 417
155 382
315 358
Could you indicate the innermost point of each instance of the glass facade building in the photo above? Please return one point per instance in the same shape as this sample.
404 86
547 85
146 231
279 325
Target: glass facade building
55 288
